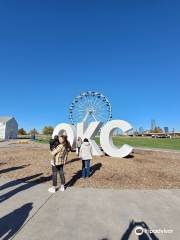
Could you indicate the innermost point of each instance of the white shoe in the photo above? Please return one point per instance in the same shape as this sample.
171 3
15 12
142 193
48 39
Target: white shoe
52 189
62 188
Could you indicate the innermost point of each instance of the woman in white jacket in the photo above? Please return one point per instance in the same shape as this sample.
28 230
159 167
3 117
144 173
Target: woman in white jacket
86 156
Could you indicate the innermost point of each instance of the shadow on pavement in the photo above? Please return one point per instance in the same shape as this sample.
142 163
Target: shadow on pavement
25 185
143 230
12 168
74 179
18 181
12 222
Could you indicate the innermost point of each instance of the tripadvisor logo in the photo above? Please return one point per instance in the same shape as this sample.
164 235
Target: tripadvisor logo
139 230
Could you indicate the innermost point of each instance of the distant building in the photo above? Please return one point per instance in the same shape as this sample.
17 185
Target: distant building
153 125
8 128
141 131
166 129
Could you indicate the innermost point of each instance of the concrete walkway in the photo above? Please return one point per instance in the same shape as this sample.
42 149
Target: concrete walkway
29 212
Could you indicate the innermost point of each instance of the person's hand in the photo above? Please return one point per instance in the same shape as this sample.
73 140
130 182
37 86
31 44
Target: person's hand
144 225
131 224
52 163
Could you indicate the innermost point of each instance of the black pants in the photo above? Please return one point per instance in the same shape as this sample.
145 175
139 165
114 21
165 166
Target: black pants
55 169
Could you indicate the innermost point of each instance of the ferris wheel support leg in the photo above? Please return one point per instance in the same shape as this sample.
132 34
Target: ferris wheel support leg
86 117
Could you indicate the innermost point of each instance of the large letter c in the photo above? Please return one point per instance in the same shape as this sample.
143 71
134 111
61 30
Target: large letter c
107 142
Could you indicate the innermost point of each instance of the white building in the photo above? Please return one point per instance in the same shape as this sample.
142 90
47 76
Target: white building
8 128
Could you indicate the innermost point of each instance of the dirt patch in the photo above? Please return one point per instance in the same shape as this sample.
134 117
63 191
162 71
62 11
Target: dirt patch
142 170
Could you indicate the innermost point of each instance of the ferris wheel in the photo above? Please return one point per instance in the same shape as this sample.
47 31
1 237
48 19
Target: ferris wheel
90 106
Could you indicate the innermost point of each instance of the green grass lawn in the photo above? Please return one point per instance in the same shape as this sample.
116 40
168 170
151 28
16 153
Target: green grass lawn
39 138
165 143
43 138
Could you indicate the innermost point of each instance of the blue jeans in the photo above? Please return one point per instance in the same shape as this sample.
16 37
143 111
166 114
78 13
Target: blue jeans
85 168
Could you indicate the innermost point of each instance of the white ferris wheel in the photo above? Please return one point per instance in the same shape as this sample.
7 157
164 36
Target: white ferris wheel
90 106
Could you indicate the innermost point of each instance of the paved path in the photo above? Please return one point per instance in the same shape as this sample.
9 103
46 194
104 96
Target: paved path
87 214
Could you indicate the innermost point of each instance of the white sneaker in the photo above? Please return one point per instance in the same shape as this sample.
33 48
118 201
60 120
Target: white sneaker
62 188
52 189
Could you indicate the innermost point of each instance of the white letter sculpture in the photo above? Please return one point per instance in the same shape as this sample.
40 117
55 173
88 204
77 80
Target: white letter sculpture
107 142
69 129
90 132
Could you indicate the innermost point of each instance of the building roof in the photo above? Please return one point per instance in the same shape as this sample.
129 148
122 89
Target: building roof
5 118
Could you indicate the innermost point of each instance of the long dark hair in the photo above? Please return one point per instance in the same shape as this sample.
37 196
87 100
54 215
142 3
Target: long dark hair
66 143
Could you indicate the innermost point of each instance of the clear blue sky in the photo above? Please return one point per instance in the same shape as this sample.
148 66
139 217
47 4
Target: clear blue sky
50 51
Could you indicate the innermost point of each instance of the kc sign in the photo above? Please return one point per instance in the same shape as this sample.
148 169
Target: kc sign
83 130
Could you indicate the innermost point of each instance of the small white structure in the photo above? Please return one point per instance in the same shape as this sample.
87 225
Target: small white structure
8 128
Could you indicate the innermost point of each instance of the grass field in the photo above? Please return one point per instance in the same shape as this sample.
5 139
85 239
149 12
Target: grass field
164 143
39 138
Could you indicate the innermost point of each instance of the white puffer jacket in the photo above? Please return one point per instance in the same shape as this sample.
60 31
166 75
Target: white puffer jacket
86 151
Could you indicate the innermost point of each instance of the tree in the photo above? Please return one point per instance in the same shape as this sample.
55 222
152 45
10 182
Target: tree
21 131
33 132
48 130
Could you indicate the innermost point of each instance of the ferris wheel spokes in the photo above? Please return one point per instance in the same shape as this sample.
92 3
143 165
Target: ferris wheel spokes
90 106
